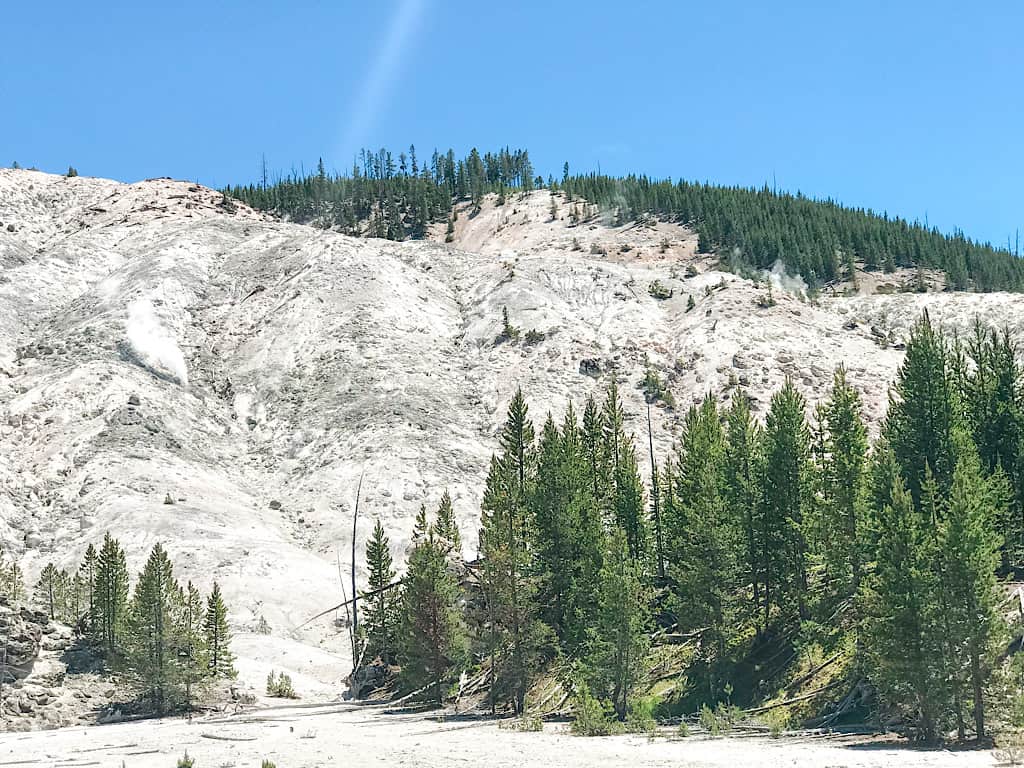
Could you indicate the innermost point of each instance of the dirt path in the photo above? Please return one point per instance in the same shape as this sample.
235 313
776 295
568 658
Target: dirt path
344 735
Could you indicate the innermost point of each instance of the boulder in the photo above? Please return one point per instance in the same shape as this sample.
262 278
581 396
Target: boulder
590 366
369 678
21 632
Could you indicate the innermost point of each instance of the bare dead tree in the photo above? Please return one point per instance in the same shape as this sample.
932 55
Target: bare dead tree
355 594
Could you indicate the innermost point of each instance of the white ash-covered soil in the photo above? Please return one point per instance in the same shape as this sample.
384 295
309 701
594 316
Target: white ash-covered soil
339 735
180 370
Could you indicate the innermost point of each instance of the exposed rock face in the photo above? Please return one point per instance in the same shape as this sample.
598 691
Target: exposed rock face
21 631
368 678
157 345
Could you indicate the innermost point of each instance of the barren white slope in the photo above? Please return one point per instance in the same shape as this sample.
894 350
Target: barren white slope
273 362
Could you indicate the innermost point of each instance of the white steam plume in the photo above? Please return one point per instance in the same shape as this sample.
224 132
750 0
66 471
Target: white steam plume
152 343
782 281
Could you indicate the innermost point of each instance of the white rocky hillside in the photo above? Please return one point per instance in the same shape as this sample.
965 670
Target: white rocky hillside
175 369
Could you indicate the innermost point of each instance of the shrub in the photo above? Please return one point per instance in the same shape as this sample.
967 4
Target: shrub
655 388
777 721
709 721
280 686
664 244
659 291
590 717
72 172
683 730
534 337
765 300
525 723
640 718
508 331
185 761
691 271
268 764
690 303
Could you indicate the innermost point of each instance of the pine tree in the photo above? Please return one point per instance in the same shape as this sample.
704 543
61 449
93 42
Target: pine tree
88 574
628 509
593 445
514 634
77 604
787 474
844 476
446 528
704 545
421 527
923 410
903 630
969 550
154 622
48 591
742 468
567 532
11 580
994 395
619 642
380 608
191 644
553 529
431 635
217 636
110 596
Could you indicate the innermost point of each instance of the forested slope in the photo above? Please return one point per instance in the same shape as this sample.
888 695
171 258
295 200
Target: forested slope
397 197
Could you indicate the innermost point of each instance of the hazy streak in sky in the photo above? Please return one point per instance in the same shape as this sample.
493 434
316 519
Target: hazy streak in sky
376 88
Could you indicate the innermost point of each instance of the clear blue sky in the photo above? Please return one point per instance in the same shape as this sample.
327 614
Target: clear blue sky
912 107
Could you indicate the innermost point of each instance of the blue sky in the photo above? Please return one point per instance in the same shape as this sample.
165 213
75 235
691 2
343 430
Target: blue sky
912 107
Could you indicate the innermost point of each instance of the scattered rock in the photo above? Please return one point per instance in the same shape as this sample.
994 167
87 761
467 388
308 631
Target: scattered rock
275 504
590 366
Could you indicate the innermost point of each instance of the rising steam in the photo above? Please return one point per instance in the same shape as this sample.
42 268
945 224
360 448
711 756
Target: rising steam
782 281
152 344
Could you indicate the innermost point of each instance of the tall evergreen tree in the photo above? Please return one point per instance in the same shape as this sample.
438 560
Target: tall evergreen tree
969 550
508 585
704 541
924 410
217 636
620 640
48 591
110 596
431 636
994 395
87 571
845 479
380 606
191 644
742 467
786 499
154 623
628 509
446 528
902 633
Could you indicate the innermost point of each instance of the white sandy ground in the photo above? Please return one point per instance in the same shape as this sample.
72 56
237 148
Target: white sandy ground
345 735
274 362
